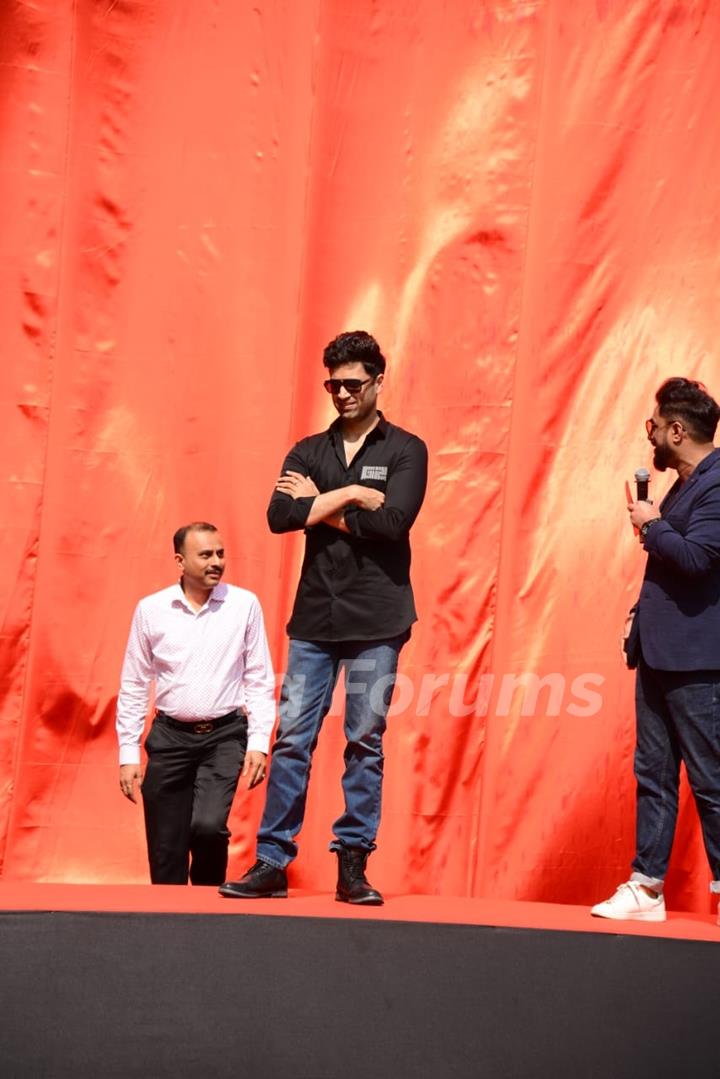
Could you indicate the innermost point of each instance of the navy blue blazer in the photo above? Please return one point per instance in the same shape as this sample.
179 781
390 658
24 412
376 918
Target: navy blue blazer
677 622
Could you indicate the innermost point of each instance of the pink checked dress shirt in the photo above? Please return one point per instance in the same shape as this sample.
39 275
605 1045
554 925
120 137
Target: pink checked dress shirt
204 664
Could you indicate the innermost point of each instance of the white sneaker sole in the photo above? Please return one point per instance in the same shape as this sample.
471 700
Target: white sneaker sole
635 916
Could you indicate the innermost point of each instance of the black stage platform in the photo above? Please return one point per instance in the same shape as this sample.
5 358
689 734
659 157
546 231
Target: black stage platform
232 990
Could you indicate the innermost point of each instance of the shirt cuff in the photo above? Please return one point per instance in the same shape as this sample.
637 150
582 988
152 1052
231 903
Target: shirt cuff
302 508
350 514
129 755
258 743
659 528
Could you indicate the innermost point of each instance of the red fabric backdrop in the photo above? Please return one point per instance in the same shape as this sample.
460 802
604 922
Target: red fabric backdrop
519 198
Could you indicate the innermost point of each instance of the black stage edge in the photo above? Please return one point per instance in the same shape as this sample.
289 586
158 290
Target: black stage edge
104 995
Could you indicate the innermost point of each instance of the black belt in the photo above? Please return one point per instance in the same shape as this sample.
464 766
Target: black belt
200 726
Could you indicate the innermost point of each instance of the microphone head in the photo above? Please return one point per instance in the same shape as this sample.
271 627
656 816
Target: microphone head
642 475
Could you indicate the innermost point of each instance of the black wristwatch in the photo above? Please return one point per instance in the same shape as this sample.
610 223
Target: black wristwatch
645 528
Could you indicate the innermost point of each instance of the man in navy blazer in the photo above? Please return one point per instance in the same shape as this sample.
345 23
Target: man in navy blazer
674 642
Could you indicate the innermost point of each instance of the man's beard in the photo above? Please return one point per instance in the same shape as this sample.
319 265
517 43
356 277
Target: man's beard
662 458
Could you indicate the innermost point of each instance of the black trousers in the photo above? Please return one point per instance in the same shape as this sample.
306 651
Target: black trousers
189 785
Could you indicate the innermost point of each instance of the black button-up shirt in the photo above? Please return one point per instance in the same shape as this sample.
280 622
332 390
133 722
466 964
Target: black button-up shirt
355 586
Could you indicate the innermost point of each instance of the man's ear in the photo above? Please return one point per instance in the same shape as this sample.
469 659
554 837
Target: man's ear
379 379
180 561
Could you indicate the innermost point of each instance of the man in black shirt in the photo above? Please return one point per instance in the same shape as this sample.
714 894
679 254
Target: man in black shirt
356 490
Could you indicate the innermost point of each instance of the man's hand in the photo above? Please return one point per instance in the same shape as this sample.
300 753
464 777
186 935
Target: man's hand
296 485
367 498
626 634
640 512
255 767
329 506
130 774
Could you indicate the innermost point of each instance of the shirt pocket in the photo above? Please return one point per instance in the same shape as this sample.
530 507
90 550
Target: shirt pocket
375 476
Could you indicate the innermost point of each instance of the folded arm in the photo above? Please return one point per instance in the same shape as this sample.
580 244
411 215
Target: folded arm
296 502
403 498
287 513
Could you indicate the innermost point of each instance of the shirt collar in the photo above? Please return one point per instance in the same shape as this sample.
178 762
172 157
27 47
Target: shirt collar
708 461
218 595
381 427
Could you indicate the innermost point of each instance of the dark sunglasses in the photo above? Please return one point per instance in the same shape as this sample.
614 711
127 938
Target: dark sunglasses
352 385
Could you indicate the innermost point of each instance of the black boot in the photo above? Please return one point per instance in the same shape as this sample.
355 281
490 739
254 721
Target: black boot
352 885
263 881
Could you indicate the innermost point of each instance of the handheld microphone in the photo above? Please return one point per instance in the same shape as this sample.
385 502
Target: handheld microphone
642 479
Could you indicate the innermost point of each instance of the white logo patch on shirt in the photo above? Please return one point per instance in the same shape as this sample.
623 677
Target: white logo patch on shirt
374 472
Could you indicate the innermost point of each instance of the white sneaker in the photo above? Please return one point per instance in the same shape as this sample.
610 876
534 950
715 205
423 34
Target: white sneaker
631 902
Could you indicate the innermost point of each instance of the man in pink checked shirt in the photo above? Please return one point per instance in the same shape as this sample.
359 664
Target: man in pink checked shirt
203 644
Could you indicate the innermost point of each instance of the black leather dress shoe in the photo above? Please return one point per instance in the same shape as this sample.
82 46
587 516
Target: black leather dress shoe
263 881
352 885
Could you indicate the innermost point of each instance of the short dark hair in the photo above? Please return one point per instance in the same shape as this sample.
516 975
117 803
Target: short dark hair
689 402
357 346
181 534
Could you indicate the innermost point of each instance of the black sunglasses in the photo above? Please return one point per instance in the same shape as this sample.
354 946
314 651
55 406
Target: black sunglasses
352 385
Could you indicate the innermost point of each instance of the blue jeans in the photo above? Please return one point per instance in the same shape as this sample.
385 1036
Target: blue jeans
313 668
678 718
